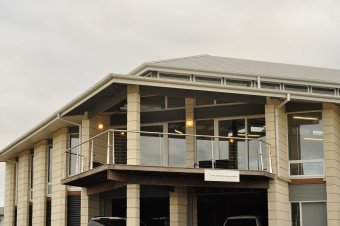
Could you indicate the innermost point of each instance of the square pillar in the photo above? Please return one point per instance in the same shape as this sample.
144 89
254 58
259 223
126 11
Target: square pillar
190 129
24 174
59 191
40 183
278 192
133 205
331 121
89 207
133 124
10 190
178 207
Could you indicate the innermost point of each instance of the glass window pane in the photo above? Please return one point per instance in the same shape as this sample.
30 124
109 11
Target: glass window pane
209 80
305 133
257 147
235 150
152 103
320 90
120 146
267 85
176 102
296 88
204 144
295 210
314 214
238 83
306 168
177 144
174 77
152 146
73 158
201 102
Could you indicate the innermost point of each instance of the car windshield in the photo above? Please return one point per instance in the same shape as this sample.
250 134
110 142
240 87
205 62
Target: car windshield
241 222
107 222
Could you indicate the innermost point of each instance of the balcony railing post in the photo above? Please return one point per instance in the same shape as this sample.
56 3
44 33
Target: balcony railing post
108 148
113 147
270 160
212 152
261 156
91 154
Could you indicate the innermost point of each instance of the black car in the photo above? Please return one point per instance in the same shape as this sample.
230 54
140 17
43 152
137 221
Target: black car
109 221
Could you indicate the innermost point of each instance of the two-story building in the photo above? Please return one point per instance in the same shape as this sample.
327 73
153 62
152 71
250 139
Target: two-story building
187 141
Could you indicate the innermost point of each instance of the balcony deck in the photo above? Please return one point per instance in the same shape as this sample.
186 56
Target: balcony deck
111 176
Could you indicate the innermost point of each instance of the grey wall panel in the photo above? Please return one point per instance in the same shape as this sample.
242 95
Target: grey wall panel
307 192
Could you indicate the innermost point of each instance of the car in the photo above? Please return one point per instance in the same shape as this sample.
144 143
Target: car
242 221
110 221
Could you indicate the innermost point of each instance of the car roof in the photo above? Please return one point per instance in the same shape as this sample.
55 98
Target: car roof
243 217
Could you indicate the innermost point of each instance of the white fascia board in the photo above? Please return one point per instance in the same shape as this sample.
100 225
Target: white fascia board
61 112
136 80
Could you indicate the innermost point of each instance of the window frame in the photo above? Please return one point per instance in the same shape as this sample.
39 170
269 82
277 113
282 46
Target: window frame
303 161
300 208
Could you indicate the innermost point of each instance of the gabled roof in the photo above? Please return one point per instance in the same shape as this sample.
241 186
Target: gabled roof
225 65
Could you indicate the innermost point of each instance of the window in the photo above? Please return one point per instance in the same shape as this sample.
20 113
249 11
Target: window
267 85
31 174
175 77
208 80
49 169
175 102
296 88
152 103
320 90
74 160
238 143
238 82
308 213
305 138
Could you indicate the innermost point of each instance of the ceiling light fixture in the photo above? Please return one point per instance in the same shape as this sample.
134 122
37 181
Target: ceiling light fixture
305 118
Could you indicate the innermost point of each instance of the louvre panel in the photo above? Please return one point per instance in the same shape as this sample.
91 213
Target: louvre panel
73 210
30 216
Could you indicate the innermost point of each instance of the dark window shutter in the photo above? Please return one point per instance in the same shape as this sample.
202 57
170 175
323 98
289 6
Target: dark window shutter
73 210
48 213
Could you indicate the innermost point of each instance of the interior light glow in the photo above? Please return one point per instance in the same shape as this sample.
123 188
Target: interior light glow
122 133
100 126
313 139
178 132
305 118
189 123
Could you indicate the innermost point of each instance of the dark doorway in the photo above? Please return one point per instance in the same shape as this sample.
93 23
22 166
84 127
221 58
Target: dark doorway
214 206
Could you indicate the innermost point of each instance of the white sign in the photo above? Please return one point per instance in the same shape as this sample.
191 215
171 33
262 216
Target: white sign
222 175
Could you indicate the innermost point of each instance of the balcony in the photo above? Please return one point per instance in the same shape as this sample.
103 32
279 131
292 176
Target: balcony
170 150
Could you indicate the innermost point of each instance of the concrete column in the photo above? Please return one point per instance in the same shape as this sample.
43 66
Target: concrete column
178 207
10 190
278 192
89 207
133 204
133 154
59 191
331 121
190 129
40 183
133 124
23 188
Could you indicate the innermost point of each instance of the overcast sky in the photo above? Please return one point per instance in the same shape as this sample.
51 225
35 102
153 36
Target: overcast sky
51 51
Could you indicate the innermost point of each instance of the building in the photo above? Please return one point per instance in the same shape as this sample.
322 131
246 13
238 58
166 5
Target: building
187 141
1 216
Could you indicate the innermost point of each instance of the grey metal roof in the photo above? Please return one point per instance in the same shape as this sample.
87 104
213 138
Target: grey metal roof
270 70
